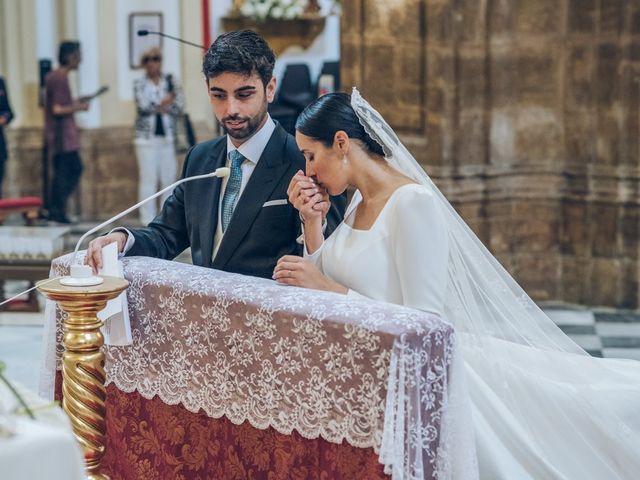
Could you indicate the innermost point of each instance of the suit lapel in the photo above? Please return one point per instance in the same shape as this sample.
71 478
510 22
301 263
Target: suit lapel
269 170
210 201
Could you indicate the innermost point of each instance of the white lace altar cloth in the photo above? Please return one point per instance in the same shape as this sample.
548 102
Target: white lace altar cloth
288 358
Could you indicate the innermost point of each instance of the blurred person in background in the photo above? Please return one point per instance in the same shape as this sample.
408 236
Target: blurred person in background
6 115
62 135
159 102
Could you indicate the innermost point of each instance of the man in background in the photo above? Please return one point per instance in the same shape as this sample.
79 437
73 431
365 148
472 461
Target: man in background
6 115
62 136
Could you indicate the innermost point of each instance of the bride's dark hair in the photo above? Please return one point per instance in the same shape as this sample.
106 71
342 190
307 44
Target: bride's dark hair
331 113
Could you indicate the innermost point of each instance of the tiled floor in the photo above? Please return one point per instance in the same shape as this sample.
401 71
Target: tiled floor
601 334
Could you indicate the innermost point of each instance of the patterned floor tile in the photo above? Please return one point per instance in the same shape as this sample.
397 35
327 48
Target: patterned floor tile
570 317
632 353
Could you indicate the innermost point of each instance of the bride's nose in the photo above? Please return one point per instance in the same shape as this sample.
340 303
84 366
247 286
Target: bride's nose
309 171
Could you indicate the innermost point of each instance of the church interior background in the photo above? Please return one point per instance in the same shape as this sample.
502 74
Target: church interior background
526 113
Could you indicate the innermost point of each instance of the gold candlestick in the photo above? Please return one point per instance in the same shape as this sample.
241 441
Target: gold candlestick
83 375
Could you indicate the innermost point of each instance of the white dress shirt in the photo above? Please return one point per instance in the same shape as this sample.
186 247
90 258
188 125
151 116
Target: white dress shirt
252 151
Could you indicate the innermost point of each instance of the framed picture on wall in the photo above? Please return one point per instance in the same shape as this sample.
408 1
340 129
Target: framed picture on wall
151 21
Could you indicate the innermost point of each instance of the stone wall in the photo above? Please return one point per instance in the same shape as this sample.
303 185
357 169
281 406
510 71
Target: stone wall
525 112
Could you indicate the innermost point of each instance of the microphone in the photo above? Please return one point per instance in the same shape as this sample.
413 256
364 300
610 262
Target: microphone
82 275
144 33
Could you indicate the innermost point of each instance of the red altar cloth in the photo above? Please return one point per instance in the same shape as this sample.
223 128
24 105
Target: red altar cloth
150 440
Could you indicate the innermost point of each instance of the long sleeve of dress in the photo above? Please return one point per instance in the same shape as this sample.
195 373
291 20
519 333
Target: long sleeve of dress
315 257
420 248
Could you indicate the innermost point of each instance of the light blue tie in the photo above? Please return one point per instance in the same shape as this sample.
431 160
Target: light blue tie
233 187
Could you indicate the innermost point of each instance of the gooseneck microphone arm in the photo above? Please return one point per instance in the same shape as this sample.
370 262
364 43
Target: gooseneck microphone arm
144 33
81 274
220 172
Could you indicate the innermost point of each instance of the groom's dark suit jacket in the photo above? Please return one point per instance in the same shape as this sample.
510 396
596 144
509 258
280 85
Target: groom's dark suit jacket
257 235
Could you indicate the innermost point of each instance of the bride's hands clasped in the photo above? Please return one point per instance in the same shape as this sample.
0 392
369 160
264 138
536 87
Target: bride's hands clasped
300 272
310 199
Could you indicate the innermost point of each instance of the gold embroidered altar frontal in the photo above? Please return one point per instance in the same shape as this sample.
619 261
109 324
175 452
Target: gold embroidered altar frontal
289 358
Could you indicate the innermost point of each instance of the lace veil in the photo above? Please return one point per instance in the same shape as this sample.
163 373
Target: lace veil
482 298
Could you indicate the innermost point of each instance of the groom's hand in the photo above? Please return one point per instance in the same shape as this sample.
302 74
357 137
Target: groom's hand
94 252
311 200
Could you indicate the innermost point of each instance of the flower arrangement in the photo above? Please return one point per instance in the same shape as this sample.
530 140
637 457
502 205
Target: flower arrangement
262 10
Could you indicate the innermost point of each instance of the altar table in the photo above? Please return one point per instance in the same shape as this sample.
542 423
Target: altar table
231 376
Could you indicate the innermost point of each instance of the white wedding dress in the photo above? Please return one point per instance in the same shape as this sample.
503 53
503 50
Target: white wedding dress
537 413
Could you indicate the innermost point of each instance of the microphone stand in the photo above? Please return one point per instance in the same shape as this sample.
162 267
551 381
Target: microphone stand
144 33
82 274
219 172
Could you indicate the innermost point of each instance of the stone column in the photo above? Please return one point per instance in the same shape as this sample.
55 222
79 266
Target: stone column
525 113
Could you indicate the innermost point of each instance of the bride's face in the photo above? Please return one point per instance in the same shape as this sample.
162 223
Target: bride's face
324 164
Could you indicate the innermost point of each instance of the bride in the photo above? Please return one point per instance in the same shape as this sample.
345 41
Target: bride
541 407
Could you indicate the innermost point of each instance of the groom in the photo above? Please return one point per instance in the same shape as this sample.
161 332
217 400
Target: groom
242 223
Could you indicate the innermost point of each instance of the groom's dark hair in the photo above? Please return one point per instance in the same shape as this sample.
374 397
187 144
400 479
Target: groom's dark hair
330 114
243 52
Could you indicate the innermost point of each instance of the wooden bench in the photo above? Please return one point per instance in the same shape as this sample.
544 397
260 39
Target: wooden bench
29 270
29 207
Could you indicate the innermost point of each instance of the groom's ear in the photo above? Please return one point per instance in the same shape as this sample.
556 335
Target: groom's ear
270 89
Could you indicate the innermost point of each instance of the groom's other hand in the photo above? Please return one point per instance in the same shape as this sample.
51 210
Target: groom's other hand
311 200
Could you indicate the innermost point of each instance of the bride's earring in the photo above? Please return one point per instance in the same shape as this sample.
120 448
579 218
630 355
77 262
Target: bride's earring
344 160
